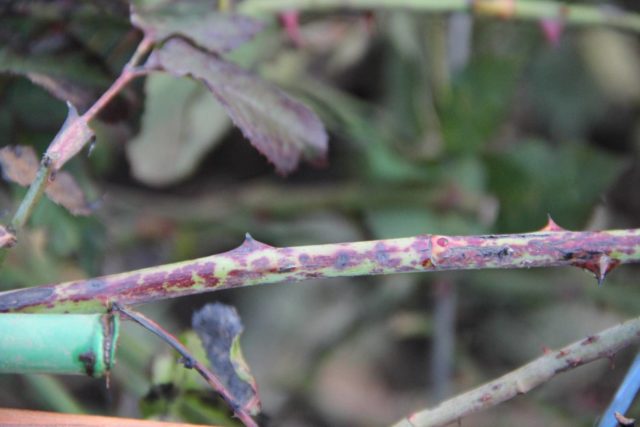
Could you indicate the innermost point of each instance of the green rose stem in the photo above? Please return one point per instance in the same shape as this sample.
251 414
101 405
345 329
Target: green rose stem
254 263
563 12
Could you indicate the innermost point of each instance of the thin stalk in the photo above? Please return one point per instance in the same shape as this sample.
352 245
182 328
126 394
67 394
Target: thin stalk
573 14
603 345
35 192
30 201
190 362
255 263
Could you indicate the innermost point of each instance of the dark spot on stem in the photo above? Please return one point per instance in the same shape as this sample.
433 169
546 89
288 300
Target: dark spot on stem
382 256
505 252
88 359
287 268
96 284
342 260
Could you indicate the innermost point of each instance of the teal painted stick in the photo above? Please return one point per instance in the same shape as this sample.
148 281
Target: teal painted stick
60 344
256 263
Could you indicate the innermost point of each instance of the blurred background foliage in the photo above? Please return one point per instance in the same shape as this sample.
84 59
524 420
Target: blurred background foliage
444 124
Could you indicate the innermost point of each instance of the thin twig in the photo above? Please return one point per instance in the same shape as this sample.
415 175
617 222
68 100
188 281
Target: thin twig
189 362
603 345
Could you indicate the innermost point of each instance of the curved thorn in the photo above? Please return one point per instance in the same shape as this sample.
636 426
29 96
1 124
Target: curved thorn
551 225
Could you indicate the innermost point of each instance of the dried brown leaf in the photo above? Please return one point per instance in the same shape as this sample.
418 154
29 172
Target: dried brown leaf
19 164
7 238
65 191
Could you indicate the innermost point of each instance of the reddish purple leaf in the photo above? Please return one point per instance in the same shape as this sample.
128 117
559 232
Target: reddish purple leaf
281 128
197 21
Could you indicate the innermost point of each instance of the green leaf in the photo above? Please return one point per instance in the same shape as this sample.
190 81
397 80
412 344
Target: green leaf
478 102
535 179
280 127
564 97
197 21
181 122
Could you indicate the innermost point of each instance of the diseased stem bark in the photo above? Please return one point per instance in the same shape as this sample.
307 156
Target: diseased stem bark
255 263
529 376
574 14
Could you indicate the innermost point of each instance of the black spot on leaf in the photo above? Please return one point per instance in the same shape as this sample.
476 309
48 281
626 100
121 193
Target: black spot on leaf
219 328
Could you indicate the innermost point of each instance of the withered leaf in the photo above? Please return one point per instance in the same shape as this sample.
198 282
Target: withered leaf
20 165
197 21
65 191
7 239
219 328
281 128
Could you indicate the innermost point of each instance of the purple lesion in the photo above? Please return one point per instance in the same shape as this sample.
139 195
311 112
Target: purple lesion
260 264
342 260
207 271
382 255
180 278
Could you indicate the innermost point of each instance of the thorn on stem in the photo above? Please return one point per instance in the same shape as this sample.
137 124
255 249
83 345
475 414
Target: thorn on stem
600 267
249 245
551 225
